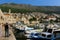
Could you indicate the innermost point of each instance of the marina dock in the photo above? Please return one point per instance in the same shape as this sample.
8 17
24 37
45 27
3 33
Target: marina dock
2 34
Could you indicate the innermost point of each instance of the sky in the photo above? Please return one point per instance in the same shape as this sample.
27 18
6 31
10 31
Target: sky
34 2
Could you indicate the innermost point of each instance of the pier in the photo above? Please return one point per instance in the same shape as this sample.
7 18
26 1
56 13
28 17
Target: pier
2 34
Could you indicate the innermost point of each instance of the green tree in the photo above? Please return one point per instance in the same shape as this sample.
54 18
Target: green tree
33 19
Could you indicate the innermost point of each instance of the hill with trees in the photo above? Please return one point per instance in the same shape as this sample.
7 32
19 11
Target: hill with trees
24 8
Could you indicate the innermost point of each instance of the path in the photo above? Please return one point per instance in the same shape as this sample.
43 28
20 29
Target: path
2 34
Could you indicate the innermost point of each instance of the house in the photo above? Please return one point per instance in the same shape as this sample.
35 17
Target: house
24 19
6 17
48 18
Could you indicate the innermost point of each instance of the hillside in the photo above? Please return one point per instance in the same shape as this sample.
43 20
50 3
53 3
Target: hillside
24 8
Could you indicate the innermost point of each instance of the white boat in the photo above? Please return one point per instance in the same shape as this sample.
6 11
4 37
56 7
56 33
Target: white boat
51 34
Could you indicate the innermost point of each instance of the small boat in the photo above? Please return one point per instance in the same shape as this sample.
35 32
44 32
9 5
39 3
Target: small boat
50 34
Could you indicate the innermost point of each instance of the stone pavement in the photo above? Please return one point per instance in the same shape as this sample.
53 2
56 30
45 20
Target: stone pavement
2 34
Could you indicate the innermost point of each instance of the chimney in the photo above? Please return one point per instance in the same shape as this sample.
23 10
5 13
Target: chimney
9 11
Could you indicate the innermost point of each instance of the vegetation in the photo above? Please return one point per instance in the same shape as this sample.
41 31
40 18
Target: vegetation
23 8
33 19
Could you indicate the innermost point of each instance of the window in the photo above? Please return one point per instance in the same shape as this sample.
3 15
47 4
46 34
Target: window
57 34
37 34
49 30
43 35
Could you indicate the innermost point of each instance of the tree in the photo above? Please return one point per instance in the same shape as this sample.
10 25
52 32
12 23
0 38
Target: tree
33 19
51 21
